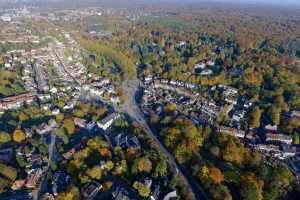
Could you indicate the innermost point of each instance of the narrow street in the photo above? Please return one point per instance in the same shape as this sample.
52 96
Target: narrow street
131 107
44 182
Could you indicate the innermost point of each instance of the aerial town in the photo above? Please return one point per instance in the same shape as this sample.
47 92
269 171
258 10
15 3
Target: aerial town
137 102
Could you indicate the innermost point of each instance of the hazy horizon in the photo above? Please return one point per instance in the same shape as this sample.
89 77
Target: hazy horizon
285 3
274 2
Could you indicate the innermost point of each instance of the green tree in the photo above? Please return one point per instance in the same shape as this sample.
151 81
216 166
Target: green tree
69 125
161 168
61 133
23 117
234 151
296 139
255 116
8 172
142 165
274 113
95 172
4 137
60 117
249 192
4 185
144 190
252 187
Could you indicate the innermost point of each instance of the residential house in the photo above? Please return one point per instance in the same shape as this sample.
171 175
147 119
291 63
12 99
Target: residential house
56 111
123 192
267 148
68 155
206 72
45 128
68 106
251 137
80 122
233 132
288 151
115 99
294 165
270 128
270 137
200 65
155 192
295 114
210 63
90 190
17 101
34 161
171 195
33 178
104 82
60 182
90 126
230 93
148 79
18 184
238 115
108 121
48 196
127 141
44 97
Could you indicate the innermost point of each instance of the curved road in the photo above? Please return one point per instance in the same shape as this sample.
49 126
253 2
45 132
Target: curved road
131 107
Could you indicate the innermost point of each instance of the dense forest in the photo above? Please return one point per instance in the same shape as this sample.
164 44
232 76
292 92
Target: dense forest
254 50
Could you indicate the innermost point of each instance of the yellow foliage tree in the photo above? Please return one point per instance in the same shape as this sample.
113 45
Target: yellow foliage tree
144 190
107 185
23 116
95 172
69 125
144 165
216 175
104 151
109 165
171 107
19 136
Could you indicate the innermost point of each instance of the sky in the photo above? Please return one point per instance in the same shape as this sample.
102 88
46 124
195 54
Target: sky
273 2
288 3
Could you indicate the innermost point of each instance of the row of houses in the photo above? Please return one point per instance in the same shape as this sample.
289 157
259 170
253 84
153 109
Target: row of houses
157 95
121 191
158 92
170 84
15 102
41 76
102 88
28 75
35 168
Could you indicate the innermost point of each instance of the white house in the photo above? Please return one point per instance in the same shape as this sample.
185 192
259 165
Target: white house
108 121
270 137
200 65
206 72
55 112
210 63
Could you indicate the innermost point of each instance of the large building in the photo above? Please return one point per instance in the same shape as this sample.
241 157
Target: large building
108 121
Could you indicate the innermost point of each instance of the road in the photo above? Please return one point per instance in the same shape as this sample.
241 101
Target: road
44 183
132 108
65 69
